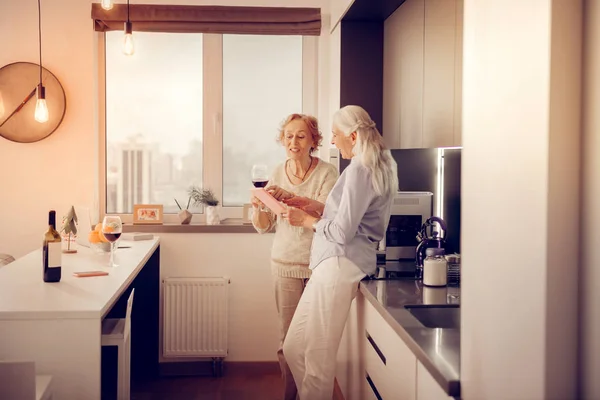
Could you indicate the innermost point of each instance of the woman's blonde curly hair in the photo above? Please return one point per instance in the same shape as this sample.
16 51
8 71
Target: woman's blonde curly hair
313 128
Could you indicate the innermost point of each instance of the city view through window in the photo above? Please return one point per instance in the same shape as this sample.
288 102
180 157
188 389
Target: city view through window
154 115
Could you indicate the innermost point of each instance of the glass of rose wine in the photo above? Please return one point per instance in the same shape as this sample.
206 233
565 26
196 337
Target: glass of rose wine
112 228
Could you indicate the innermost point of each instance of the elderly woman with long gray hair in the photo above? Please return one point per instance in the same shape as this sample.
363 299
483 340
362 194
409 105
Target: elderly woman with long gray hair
355 218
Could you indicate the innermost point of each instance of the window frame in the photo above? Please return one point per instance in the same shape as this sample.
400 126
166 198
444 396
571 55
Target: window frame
212 129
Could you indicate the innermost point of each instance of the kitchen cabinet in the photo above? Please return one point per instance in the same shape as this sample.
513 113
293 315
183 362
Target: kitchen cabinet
388 361
422 74
427 387
403 76
361 67
350 361
401 60
458 72
373 361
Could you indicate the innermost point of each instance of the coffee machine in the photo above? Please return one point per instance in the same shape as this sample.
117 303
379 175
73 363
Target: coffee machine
396 253
433 239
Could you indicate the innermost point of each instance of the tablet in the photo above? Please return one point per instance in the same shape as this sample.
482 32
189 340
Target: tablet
268 200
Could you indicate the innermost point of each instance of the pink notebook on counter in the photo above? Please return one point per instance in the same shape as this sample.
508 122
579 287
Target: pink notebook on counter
269 201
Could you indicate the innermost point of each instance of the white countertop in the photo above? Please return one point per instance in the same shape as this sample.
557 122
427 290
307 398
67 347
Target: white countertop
24 294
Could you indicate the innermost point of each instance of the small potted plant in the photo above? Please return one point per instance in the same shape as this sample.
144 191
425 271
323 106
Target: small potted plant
207 198
184 215
69 230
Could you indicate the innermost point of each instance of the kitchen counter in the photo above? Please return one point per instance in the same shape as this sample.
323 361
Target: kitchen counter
438 349
25 296
58 325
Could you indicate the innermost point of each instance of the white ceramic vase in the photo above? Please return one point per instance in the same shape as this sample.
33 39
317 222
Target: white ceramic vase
212 215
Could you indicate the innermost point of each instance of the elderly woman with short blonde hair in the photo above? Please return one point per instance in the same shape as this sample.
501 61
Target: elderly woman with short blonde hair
302 181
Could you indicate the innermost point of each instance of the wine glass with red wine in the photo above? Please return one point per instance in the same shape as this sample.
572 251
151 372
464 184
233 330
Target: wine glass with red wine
260 175
112 228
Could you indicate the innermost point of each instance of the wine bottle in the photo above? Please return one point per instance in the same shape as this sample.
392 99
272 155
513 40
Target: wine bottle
51 257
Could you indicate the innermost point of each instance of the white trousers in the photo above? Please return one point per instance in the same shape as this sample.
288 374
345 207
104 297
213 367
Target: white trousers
314 335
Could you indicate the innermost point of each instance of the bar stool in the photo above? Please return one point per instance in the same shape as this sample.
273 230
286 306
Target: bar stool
19 381
116 332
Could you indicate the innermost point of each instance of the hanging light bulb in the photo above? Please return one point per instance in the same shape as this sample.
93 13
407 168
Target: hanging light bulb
107 4
128 47
2 108
41 109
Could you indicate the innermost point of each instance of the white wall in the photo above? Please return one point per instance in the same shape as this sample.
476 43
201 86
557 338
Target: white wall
323 84
62 169
332 86
253 328
590 213
520 199
562 213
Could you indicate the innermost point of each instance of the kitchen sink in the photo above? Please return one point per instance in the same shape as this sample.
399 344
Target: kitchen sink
436 316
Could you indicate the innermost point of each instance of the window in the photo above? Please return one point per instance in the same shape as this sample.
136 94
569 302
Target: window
153 120
262 83
198 109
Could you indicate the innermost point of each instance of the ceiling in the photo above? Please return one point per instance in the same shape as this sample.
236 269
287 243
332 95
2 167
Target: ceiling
371 10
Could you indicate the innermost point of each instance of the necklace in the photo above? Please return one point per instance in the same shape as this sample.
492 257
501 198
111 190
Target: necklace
305 172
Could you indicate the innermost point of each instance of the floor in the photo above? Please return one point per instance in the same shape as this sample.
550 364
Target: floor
234 384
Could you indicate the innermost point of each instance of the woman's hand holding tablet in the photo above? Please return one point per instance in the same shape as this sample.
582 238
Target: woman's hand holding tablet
268 200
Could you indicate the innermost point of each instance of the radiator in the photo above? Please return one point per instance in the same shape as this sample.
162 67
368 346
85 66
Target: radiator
195 317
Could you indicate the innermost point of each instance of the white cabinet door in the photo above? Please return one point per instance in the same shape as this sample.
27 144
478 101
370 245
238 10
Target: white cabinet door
458 74
438 77
373 361
390 127
403 76
350 372
390 364
422 74
427 387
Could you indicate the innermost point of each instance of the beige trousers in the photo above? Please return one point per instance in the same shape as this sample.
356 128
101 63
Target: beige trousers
315 333
287 295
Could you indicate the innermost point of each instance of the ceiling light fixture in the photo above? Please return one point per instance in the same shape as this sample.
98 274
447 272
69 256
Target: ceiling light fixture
41 109
107 4
128 47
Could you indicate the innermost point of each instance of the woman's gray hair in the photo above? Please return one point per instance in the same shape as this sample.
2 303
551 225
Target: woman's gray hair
369 147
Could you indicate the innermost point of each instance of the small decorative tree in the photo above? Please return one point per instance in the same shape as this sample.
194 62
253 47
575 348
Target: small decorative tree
207 198
69 227
203 196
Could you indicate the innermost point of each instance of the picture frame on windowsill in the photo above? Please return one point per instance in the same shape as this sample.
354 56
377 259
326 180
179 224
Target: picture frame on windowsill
147 214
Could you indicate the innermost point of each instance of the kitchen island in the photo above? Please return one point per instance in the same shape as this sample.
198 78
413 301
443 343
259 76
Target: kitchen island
401 341
58 325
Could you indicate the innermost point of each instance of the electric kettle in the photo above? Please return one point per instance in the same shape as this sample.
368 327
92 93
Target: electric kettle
435 239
